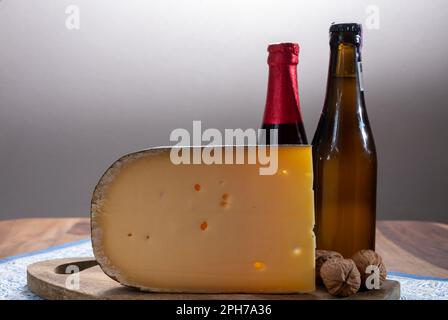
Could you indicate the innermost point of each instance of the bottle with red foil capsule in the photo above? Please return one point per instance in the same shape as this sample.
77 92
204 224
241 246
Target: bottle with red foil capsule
282 110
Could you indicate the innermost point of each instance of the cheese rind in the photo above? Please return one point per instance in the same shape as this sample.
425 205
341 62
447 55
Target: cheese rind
206 228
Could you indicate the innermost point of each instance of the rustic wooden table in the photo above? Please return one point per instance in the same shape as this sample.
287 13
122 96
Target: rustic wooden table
406 246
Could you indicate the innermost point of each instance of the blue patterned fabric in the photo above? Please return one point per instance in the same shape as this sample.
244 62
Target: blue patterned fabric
13 275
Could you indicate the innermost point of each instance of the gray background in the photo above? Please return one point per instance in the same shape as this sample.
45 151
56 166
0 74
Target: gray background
72 101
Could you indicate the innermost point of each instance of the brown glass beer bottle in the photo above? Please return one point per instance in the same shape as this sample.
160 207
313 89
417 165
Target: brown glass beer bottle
345 164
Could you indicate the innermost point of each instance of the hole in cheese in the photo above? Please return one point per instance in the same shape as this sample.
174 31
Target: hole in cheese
225 196
197 187
258 265
204 225
223 204
129 234
296 251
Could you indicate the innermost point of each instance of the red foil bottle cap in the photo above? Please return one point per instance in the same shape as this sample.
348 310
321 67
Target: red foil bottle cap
283 53
282 101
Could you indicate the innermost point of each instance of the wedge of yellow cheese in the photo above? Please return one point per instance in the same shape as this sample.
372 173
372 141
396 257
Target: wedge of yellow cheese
216 228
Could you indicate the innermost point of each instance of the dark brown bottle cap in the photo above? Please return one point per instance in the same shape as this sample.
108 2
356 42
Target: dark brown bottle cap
355 28
283 53
346 32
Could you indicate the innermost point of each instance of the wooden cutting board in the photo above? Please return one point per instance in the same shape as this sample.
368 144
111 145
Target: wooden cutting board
48 280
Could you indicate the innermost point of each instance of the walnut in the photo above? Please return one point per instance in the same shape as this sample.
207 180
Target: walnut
321 257
365 258
341 277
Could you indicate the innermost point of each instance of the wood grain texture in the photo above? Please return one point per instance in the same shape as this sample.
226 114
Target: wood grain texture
406 246
25 235
414 247
48 280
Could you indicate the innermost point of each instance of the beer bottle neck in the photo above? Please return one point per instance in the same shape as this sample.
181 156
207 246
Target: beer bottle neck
282 100
345 61
345 75
282 111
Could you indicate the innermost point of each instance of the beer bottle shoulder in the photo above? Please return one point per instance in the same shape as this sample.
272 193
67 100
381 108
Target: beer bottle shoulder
345 135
